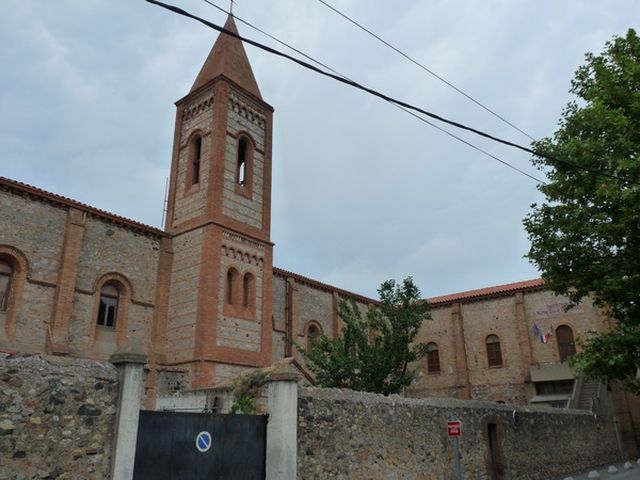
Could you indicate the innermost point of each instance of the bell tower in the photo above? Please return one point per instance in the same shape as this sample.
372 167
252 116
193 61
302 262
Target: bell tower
219 217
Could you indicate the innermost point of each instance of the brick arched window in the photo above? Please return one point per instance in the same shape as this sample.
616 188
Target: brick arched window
248 291
242 161
112 296
433 358
566 343
13 276
195 152
231 287
494 353
108 308
244 165
6 272
313 334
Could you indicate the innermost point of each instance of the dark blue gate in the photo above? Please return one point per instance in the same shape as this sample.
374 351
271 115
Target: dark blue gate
176 445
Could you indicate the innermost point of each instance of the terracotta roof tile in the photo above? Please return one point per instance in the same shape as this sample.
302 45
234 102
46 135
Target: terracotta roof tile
68 202
487 292
322 286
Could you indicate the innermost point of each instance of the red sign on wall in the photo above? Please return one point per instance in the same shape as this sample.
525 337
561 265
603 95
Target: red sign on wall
454 428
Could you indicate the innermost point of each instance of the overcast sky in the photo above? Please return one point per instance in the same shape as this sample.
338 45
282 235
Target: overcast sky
362 191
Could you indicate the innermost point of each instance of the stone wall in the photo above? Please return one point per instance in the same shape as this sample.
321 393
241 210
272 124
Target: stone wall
352 435
61 253
57 417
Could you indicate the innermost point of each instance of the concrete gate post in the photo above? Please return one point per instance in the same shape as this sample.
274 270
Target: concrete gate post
282 427
130 360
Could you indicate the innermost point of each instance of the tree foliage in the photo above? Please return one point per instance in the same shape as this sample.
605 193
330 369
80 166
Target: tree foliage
374 350
585 237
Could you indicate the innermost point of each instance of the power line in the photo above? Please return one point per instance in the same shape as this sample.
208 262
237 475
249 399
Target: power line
383 96
422 119
423 67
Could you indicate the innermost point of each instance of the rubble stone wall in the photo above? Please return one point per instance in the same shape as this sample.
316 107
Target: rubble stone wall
57 417
353 435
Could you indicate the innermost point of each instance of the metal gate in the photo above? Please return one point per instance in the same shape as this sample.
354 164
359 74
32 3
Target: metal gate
192 446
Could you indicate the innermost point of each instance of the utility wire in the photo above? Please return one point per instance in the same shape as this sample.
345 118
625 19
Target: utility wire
422 119
423 67
353 84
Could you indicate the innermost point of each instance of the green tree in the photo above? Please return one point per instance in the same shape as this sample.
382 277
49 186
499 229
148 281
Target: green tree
585 237
374 350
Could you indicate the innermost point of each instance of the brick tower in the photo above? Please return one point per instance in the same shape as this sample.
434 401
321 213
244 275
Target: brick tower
219 217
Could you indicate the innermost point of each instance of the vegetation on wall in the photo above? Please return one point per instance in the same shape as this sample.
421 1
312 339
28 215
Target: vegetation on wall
374 350
246 390
585 237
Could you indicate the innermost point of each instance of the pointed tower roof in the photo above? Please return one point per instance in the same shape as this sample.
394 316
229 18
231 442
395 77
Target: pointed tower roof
228 58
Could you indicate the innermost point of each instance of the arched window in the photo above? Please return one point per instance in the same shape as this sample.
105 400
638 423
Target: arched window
433 358
232 275
248 290
494 354
566 344
108 309
313 334
196 153
5 284
242 162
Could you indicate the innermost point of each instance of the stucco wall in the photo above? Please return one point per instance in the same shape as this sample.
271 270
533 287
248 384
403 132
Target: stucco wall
351 435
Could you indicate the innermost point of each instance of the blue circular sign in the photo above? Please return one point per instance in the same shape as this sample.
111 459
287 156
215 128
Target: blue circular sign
203 441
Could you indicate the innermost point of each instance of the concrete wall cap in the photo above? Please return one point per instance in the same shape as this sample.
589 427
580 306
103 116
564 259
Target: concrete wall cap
284 377
129 352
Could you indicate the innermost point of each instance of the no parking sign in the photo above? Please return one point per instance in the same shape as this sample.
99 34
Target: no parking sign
203 441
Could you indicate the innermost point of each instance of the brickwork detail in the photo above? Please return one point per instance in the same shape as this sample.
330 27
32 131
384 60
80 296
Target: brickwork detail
183 296
239 207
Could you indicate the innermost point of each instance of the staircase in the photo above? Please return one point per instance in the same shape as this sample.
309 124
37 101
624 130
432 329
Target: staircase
589 392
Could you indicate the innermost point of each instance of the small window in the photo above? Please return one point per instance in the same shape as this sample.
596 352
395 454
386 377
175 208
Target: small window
433 358
248 290
241 173
232 274
566 344
196 153
5 285
313 335
108 310
494 353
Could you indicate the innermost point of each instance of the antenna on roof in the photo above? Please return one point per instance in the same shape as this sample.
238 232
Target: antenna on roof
165 208
231 8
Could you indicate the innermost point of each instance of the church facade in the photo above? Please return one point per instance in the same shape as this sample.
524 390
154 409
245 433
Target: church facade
206 303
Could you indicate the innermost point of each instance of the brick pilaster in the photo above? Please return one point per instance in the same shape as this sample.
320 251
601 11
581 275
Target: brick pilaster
459 341
58 338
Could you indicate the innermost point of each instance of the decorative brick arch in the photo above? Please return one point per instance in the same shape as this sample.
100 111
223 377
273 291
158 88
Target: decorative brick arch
19 275
493 347
190 186
246 189
312 330
125 291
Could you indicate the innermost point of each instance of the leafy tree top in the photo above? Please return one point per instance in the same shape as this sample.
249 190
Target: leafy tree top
585 236
374 351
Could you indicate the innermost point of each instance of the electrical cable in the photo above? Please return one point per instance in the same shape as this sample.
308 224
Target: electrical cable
423 67
422 119
383 96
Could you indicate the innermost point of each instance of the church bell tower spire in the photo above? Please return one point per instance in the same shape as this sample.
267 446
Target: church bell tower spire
219 215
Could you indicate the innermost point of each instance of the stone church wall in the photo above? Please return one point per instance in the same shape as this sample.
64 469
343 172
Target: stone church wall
511 317
352 435
68 250
57 417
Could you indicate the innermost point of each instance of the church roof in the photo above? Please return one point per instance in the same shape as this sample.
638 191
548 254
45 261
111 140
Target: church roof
228 58
43 195
481 293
